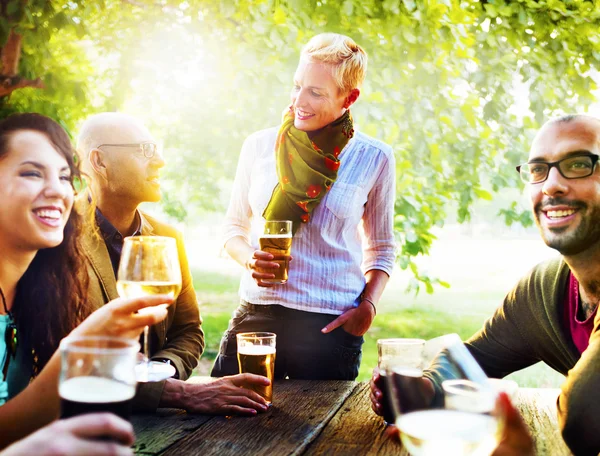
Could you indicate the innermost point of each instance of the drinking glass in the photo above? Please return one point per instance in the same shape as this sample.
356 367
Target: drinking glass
97 375
445 431
149 266
400 365
256 355
504 385
277 240
474 398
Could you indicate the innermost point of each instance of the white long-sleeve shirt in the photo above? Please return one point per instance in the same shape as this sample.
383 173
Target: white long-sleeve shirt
334 250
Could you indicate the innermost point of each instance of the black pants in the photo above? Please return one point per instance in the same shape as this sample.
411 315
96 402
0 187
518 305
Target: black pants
303 352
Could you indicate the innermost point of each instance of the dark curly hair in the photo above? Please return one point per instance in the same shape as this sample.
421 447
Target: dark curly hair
50 298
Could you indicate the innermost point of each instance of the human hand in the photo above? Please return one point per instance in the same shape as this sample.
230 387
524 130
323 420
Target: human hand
356 321
376 394
261 265
78 436
118 317
224 396
516 439
426 388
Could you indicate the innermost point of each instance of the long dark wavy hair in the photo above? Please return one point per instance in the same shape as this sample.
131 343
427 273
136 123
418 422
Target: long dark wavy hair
50 298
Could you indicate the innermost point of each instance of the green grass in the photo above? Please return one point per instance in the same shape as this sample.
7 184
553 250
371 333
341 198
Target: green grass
213 282
217 294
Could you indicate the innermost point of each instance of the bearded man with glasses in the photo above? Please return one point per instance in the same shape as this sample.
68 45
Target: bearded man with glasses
122 163
551 314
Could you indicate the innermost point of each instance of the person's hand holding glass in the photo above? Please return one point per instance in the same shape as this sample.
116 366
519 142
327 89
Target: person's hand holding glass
467 425
400 368
149 266
269 265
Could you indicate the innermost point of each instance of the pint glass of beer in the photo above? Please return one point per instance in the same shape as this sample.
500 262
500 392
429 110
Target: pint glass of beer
256 355
277 240
97 375
400 363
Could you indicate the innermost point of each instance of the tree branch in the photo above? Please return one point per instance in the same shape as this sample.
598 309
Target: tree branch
9 84
11 53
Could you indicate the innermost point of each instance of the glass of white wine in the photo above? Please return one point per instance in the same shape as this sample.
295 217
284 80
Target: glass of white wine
149 266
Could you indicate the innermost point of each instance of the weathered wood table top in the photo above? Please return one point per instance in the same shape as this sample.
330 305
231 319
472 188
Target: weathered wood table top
313 418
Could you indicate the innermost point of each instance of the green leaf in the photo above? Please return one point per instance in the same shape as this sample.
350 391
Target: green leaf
483 194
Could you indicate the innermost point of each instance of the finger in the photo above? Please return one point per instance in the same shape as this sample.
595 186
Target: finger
130 305
375 406
262 255
392 432
265 264
265 284
134 322
97 448
374 389
262 275
247 402
101 425
248 379
237 410
339 321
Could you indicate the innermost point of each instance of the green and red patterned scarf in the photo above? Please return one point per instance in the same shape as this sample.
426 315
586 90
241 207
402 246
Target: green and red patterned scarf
306 169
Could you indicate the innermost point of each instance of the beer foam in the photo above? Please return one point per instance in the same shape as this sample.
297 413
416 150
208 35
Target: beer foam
408 371
256 350
95 390
276 236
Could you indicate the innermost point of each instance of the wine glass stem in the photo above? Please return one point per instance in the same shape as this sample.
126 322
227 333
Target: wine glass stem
146 344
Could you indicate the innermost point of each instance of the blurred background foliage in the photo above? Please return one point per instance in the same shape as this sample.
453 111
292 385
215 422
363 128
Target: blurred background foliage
456 87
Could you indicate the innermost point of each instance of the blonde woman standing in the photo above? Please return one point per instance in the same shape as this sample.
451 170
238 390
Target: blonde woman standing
337 185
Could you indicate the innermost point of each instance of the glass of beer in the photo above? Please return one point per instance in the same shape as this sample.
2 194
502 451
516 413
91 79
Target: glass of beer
149 266
277 240
97 375
454 430
256 355
400 364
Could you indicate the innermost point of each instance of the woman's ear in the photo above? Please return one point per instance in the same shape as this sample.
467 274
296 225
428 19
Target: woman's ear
351 98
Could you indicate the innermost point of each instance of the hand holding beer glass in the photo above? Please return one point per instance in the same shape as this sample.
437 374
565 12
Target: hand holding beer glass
97 375
149 266
400 365
450 431
277 240
256 355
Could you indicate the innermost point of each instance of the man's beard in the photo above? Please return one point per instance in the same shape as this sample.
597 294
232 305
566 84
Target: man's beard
584 236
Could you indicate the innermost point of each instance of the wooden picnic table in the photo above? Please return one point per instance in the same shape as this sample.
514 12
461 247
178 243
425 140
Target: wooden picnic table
313 418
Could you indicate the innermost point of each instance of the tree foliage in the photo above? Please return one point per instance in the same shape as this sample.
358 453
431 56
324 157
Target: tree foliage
456 87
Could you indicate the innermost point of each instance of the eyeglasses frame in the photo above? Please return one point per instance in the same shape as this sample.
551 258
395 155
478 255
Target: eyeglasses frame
555 164
149 157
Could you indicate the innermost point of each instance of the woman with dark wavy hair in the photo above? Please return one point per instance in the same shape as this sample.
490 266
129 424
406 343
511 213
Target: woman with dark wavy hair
38 232
42 293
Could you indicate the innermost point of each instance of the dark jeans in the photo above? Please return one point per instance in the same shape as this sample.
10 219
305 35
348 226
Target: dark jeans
303 352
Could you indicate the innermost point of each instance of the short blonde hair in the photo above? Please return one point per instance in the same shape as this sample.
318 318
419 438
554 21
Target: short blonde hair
348 59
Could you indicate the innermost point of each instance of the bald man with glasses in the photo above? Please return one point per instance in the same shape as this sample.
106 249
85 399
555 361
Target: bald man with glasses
123 163
551 314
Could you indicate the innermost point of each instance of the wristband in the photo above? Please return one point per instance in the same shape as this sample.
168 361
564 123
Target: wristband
362 298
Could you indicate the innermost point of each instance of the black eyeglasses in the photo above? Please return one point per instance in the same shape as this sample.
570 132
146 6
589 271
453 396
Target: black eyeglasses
147 149
574 167
10 338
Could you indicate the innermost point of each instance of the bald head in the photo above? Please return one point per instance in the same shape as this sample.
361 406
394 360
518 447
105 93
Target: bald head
109 128
572 128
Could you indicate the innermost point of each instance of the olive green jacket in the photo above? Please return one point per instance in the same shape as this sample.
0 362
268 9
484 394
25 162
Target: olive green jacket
180 336
529 327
